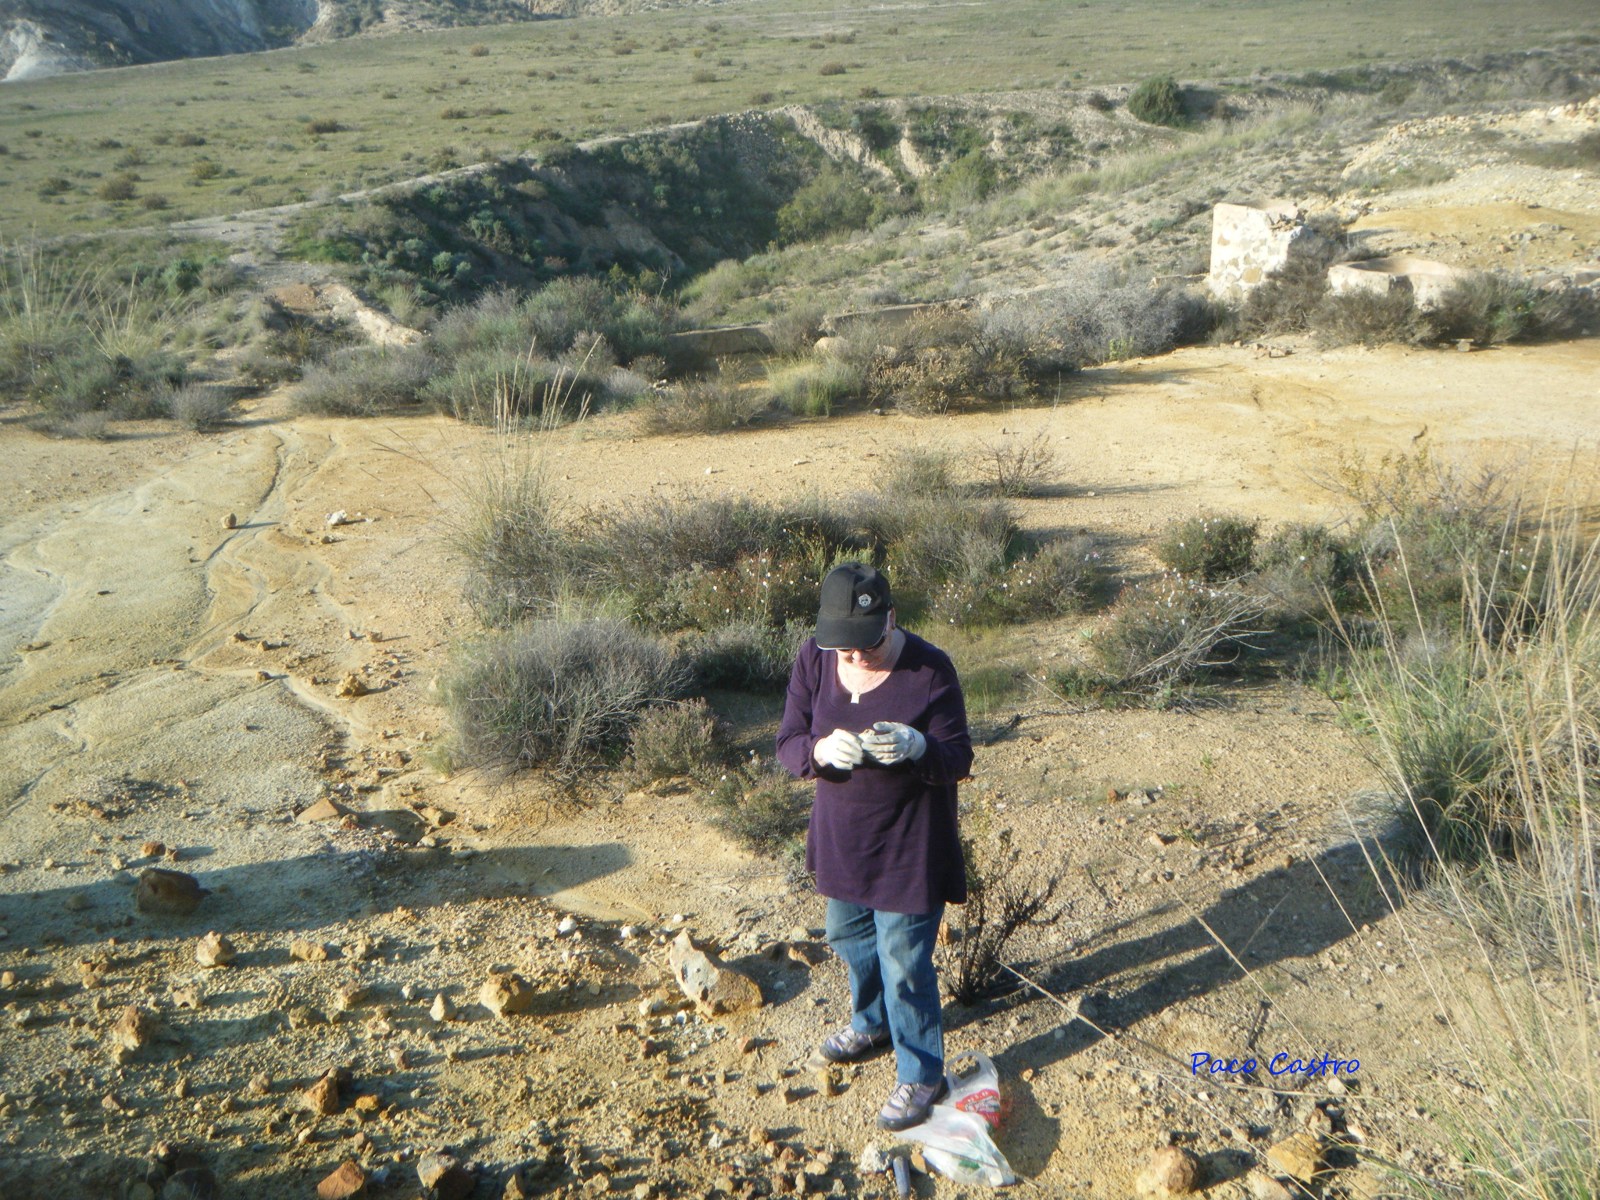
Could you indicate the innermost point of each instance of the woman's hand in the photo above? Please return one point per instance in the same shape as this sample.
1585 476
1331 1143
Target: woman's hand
840 750
890 742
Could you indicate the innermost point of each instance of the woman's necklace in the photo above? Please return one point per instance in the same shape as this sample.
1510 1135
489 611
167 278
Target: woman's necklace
858 681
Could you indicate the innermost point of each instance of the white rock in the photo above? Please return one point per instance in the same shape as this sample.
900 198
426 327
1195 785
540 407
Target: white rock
567 925
440 1011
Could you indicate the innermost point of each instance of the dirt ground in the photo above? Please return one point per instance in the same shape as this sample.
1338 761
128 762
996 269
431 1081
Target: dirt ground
184 617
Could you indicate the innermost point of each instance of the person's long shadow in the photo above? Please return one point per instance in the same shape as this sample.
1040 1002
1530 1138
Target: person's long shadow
1288 912
301 893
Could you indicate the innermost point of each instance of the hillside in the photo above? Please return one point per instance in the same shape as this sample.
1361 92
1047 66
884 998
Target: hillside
39 38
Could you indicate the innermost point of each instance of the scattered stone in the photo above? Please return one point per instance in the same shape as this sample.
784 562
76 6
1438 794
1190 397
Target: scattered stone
567 925
136 1028
351 994
506 993
399 1056
445 1177
153 849
343 1184
749 1045
828 1081
1298 1156
187 997
873 1161
352 685
92 973
170 893
302 950
714 987
323 810
441 1011
369 1104
1172 1171
214 950
230 521
323 1096
260 1084
807 954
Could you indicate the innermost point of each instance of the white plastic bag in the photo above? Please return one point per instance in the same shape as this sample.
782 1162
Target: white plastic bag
975 1087
958 1146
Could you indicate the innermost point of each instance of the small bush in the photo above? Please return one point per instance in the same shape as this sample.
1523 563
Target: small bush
762 808
745 654
1161 635
1304 571
1208 548
478 51
1002 899
682 740
1367 319
944 362
202 169
557 693
362 382
119 188
833 201
1064 576
796 329
701 406
831 68
1015 467
1284 303
200 407
320 125
154 202
817 387
1159 101
1489 309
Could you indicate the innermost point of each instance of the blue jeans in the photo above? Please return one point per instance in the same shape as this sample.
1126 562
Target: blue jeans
889 957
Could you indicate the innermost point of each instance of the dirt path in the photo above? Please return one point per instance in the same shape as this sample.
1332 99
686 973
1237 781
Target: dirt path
165 675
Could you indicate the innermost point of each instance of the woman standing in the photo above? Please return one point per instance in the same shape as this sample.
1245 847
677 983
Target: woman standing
875 715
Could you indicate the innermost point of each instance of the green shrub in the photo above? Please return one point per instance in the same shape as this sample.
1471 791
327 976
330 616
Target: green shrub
556 693
1063 576
320 125
761 807
831 68
746 654
815 388
202 169
672 741
363 382
795 330
1283 303
1159 101
944 362
519 560
833 201
1489 309
1209 547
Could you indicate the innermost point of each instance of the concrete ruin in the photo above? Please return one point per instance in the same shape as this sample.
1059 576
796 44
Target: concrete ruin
1251 241
1425 280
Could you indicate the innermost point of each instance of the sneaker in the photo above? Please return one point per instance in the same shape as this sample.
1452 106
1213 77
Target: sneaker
909 1104
849 1046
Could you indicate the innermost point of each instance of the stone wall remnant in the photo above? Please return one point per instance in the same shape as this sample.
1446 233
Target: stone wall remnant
1251 241
1425 279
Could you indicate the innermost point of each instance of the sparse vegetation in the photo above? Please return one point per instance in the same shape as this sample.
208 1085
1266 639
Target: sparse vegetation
1002 899
679 740
1210 547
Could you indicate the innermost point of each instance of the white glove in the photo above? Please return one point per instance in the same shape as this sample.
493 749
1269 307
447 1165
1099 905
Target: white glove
890 742
840 750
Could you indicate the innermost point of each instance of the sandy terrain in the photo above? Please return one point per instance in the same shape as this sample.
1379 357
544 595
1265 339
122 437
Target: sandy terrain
166 676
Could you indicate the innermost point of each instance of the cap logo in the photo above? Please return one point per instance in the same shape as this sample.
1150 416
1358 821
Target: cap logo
864 601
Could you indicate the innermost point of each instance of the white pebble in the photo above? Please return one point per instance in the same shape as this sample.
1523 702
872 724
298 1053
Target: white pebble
567 925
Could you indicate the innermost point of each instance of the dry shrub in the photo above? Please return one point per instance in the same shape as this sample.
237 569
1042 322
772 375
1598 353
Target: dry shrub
1166 633
1002 898
1368 319
556 693
1016 467
200 407
946 362
701 406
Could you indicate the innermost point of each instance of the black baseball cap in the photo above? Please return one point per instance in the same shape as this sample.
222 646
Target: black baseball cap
855 608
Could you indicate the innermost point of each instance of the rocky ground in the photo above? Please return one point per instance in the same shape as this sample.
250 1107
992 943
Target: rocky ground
217 656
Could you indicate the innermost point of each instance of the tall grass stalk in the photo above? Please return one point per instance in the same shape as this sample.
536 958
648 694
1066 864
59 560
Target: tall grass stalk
1504 720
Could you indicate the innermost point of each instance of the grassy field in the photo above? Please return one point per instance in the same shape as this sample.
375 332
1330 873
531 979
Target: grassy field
146 145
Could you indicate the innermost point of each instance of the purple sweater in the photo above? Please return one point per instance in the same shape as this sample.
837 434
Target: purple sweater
882 837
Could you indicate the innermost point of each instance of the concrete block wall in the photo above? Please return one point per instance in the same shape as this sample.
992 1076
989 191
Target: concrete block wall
1250 241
